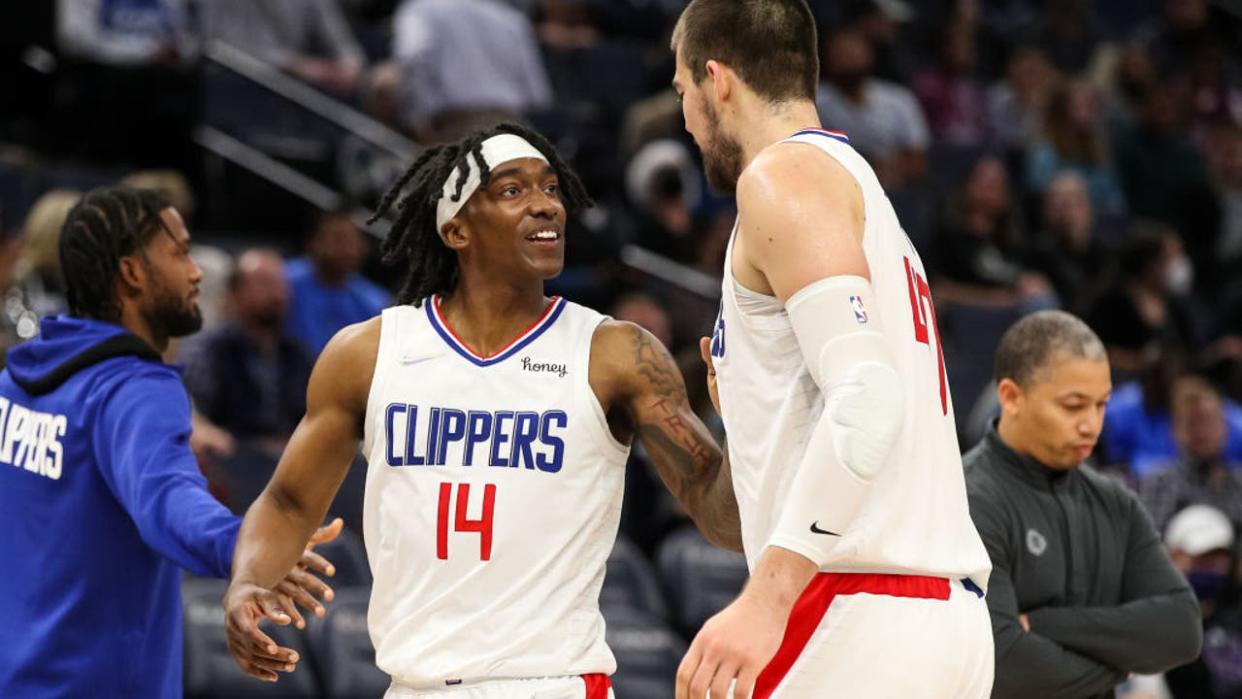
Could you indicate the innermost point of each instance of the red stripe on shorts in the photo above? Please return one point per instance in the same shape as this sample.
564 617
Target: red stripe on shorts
597 686
813 604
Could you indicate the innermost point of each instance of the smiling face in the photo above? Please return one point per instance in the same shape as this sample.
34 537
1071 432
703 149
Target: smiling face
514 227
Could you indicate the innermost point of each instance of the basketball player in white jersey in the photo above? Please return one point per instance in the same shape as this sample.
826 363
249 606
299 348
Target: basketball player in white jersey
496 423
867 574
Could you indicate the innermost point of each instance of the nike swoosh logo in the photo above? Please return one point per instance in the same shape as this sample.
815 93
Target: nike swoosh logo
408 360
816 530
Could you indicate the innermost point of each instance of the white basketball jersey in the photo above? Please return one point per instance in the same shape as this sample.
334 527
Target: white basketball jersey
493 497
915 519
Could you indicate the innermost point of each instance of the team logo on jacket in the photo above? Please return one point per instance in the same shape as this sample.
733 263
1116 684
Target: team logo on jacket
1035 542
860 311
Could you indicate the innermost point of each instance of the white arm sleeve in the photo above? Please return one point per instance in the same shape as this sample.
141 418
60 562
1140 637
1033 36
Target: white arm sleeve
848 356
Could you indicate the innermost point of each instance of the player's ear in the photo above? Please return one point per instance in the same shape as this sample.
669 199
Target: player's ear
722 80
1009 395
132 273
454 235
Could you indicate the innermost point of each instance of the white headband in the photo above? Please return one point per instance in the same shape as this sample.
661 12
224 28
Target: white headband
496 151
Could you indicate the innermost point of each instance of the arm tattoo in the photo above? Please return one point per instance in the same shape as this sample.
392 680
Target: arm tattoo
680 447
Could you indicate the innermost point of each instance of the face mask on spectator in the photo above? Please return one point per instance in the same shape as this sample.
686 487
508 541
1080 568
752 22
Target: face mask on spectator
1207 584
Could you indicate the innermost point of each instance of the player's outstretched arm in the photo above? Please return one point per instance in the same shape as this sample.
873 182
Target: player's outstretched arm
280 522
631 364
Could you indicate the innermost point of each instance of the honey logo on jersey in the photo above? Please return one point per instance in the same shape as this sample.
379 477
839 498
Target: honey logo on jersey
559 369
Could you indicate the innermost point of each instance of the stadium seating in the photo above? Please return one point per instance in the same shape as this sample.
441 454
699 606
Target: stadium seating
631 582
700 579
647 651
210 672
341 648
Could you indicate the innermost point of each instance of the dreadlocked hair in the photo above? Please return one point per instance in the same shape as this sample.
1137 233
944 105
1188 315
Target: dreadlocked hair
106 225
413 238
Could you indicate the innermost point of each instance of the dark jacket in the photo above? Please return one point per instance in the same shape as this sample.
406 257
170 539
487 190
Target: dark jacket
101 505
1076 553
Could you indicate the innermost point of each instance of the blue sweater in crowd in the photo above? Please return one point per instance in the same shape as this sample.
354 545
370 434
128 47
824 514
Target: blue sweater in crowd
101 501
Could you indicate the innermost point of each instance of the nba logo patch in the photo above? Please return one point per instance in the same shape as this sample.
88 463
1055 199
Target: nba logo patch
860 311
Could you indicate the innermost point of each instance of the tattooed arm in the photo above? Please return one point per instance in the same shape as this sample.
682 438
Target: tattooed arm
644 396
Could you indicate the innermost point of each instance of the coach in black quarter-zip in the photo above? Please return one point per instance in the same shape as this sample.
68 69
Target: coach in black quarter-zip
1082 593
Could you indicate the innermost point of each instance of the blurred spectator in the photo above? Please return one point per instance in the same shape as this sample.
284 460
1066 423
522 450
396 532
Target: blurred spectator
171 184
648 313
1067 251
883 119
882 23
264 395
1202 474
979 258
328 292
38 289
1126 73
1160 167
951 94
1147 305
1174 39
566 24
1016 105
462 65
1074 138
1213 86
130 70
1069 33
1224 151
664 184
308 38
138 32
1201 543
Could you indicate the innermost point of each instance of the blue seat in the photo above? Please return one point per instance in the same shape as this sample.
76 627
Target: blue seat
700 578
341 648
210 672
631 581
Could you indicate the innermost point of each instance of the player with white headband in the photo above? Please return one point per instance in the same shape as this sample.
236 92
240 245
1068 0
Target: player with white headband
496 423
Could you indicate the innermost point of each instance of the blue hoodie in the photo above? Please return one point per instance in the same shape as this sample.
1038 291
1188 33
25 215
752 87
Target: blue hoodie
101 501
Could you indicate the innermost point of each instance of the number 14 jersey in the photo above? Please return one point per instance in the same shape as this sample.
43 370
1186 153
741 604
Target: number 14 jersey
493 496
915 519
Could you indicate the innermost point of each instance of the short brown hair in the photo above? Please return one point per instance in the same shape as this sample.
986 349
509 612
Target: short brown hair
1032 343
771 44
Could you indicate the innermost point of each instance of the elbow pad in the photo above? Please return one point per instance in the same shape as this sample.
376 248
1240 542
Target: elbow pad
847 354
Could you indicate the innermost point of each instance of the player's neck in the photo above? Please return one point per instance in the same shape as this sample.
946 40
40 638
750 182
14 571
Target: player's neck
133 321
763 125
488 316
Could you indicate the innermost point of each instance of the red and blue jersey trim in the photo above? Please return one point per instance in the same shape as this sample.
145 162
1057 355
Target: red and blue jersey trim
837 135
442 328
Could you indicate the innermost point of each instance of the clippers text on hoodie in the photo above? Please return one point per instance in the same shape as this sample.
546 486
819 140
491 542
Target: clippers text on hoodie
31 440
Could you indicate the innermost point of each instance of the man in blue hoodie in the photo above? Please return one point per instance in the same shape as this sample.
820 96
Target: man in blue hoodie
101 500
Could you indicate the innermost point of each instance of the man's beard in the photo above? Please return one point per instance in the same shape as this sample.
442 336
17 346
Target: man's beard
174 316
722 158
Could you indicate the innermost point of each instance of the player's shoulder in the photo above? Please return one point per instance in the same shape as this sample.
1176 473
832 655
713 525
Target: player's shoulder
346 366
355 342
623 353
791 179
792 165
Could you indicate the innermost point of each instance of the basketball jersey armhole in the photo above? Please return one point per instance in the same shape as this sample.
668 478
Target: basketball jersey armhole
600 418
383 352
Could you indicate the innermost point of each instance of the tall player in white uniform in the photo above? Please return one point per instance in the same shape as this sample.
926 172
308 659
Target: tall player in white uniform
867 574
496 423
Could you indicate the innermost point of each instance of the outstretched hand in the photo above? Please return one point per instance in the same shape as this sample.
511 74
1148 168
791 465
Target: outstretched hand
247 604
